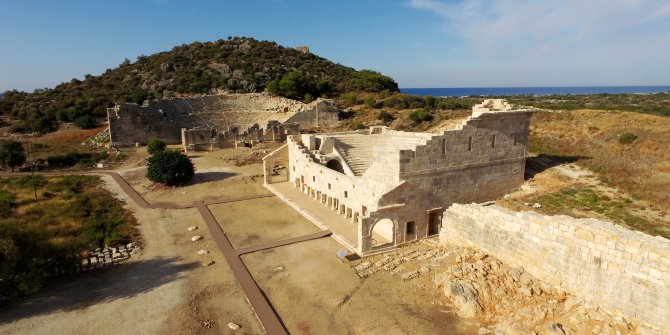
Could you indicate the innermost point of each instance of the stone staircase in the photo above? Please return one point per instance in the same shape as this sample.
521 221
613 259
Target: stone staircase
359 151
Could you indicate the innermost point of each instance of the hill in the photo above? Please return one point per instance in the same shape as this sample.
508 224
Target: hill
236 65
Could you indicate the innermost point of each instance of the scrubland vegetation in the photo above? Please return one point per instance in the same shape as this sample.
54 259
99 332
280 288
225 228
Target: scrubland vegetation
48 223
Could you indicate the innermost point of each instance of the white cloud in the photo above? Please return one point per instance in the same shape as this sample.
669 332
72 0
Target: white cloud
593 42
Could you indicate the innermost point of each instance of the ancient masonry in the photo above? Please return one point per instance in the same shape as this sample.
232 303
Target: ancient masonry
216 120
617 268
393 186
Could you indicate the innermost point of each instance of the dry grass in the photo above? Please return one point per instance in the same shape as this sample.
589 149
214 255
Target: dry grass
640 168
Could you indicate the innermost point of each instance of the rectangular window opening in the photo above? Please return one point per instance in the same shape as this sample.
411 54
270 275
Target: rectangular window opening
313 178
411 228
329 186
345 194
493 141
444 146
469 143
514 136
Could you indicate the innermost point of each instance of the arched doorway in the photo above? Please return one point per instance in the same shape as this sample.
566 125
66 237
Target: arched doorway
382 233
334 164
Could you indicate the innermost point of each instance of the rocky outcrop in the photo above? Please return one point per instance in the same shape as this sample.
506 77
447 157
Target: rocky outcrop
511 301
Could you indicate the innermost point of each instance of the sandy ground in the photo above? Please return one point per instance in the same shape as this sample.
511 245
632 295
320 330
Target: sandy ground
165 290
168 290
316 293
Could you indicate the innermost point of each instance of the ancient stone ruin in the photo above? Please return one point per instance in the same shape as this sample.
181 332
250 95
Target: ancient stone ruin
391 187
230 117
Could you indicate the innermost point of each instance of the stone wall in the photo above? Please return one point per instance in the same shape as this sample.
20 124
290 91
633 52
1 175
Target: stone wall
481 161
198 139
131 123
617 268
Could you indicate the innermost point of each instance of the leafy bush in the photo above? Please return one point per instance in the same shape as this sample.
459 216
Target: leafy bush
85 122
11 154
297 85
38 146
372 81
81 159
627 138
369 102
385 116
360 126
170 167
7 203
420 115
350 98
155 145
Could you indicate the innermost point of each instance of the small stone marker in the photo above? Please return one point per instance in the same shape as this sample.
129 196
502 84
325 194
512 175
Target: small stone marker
279 268
233 326
196 238
192 228
207 263
202 252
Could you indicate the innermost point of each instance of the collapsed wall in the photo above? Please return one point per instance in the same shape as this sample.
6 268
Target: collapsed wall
131 123
617 268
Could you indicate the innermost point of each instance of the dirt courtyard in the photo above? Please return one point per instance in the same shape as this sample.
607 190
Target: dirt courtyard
168 289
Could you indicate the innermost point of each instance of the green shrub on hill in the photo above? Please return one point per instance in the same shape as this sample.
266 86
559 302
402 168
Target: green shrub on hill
11 154
420 115
627 138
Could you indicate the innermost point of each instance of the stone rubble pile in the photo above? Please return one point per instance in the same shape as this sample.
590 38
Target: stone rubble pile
409 263
512 301
100 140
108 256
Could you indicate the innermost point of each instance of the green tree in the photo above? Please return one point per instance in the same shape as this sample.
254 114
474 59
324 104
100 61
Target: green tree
385 116
11 154
85 122
372 81
420 115
155 145
369 102
170 167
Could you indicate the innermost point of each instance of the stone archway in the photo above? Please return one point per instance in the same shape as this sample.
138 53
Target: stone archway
334 164
382 233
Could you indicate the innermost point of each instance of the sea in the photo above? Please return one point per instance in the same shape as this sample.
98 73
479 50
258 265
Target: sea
506 91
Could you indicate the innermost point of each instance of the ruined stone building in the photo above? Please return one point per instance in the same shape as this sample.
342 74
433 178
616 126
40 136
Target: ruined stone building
216 120
392 186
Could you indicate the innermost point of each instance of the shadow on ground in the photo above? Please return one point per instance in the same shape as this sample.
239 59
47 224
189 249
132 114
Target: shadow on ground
85 290
541 162
205 177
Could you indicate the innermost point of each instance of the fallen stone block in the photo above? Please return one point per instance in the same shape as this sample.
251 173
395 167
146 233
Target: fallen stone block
397 270
233 326
192 228
383 261
409 275
202 252
390 266
196 238
363 266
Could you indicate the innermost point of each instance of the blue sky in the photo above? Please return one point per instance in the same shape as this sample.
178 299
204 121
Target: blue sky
420 43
